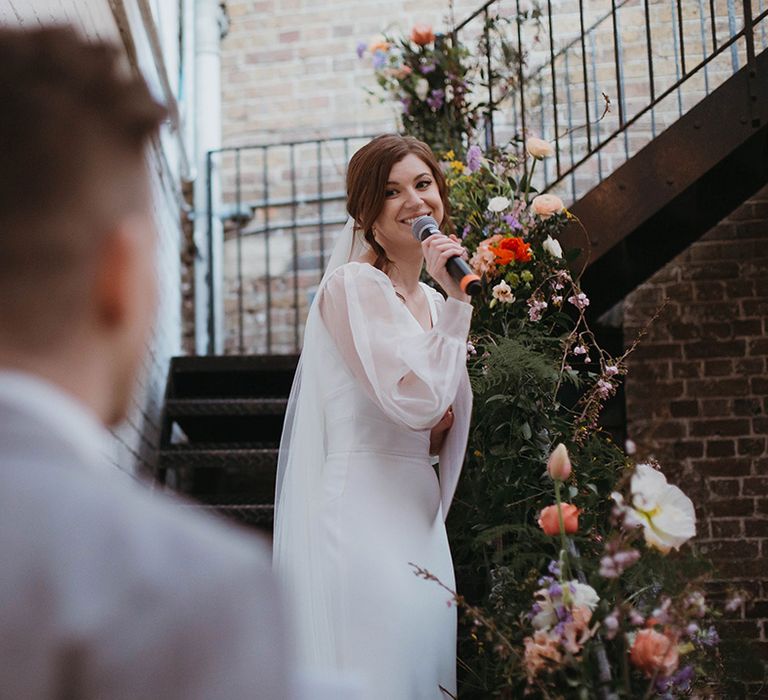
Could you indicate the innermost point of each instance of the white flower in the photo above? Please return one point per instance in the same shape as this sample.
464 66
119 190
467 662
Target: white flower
552 247
573 594
584 595
666 513
422 88
539 148
503 292
498 204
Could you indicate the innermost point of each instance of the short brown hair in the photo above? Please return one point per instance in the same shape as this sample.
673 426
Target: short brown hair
367 178
73 127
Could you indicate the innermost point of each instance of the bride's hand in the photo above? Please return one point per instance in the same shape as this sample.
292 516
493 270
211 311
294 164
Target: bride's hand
437 250
438 433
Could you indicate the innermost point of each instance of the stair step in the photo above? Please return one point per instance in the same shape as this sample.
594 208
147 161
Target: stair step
177 408
233 376
191 456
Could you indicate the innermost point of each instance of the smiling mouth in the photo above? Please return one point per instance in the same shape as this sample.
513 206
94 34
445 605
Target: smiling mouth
409 221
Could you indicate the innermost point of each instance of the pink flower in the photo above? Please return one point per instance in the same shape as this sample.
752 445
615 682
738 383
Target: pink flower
545 205
483 262
654 652
576 631
540 651
580 301
537 308
605 389
559 464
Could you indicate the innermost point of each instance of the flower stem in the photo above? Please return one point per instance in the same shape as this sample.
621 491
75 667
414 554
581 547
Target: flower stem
528 181
563 540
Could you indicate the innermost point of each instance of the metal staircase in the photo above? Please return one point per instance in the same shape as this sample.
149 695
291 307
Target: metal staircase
221 429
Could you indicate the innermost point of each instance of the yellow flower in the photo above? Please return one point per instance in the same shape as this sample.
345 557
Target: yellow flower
450 155
458 166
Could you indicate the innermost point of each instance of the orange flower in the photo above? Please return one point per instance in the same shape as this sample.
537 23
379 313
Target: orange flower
512 248
422 34
654 652
550 523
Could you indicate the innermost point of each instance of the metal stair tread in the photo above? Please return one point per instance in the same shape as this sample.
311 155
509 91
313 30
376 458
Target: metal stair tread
222 406
193 456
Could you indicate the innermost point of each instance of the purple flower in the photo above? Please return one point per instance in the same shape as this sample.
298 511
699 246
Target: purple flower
512 221
474 158
379 59
465 231
427 68
361 47
406 103
436 99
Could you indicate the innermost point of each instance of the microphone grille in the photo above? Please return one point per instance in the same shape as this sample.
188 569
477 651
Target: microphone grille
421 225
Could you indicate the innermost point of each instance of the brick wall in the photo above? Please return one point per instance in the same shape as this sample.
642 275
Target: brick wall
134 442
290 72
697 397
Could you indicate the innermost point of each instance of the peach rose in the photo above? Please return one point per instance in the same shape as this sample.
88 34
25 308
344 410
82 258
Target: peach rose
378 43
539 148
545 205
550 522
422 34
655 652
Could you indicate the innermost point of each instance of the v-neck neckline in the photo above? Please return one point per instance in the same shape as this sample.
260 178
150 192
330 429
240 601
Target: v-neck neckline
430 306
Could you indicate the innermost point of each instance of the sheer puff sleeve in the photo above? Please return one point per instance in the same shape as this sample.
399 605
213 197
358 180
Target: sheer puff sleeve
414 376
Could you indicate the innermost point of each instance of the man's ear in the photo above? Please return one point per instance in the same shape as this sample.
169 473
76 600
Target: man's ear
115 276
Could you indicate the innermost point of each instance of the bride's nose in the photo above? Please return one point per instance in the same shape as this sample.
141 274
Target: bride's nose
414 198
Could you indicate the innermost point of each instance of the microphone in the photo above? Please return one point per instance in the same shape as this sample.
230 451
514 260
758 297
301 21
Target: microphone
423 228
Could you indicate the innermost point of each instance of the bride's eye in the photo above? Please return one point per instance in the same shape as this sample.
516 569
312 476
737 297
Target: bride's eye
390 193
424 184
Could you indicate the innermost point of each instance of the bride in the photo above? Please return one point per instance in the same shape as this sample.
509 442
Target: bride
381 385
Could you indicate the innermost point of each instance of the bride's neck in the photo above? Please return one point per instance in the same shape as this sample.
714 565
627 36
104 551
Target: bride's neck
404 270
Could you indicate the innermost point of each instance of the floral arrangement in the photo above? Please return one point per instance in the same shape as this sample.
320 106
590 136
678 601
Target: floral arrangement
584 594
430 77
575 580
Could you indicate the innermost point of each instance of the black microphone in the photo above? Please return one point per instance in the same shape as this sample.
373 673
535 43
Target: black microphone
423 228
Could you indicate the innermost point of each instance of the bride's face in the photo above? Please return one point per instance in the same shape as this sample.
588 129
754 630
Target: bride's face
411 192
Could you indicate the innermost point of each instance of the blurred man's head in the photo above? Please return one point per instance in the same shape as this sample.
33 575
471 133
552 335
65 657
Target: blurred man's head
77 271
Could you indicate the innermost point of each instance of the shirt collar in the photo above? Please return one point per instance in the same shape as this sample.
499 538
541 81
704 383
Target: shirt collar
71 420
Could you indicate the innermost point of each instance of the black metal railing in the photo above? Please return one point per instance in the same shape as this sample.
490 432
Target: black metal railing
559 88
281 203
281 206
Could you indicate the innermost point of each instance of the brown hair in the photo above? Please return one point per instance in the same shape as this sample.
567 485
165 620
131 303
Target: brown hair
73 126
367 178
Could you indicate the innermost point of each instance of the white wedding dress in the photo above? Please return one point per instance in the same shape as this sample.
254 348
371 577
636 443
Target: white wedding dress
358 499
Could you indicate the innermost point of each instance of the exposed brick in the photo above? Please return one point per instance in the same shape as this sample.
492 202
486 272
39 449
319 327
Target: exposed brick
730 549
755 486
717 427
751 446
727 528
732 508
713 348
716 408
723 467
718 387
684 409
724 488
688 448
755 528
718 368
747 407
721 448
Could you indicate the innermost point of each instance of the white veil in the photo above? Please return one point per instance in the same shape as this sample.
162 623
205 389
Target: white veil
298 545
